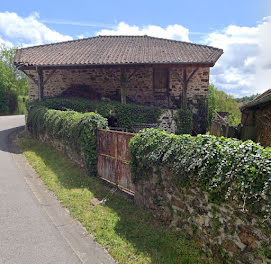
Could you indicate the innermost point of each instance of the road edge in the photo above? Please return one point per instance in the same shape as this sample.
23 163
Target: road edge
82 244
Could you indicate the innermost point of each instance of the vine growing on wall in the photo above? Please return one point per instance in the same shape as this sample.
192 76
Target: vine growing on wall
184 121
228 169
76 130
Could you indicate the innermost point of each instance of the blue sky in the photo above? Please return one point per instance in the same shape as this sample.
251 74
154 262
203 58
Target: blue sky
199 16
240 27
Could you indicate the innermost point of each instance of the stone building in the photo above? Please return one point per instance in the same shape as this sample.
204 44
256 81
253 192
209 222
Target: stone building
137 69
256 119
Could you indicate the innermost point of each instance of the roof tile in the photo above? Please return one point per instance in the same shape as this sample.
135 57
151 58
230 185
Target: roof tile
117 50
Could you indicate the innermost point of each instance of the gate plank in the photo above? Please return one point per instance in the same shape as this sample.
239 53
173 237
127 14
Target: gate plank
113 158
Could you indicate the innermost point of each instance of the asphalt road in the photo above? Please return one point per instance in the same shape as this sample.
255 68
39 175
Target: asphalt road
34 228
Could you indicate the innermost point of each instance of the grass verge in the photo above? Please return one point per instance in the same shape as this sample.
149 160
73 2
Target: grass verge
130 234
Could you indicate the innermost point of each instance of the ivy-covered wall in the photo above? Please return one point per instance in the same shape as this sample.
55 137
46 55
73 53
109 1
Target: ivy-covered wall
69 131
216 189
222 229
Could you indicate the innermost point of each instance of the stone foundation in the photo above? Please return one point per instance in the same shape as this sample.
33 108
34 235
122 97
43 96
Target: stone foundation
61 146
167 121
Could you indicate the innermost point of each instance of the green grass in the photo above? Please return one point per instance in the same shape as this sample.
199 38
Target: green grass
130 234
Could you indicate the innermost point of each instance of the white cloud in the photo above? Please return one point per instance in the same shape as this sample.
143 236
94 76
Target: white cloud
5 43
27 31
242 69
176 32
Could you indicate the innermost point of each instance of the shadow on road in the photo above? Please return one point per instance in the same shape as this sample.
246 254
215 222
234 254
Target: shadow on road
7 134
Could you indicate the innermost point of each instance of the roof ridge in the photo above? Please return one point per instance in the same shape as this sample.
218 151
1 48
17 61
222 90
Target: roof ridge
56 43
121 36
186 42
260 97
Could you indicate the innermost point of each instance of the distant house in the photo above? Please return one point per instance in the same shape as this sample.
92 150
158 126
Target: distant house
138 69
256 119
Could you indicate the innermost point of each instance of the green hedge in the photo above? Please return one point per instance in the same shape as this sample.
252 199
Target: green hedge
76 130
124 115
229 169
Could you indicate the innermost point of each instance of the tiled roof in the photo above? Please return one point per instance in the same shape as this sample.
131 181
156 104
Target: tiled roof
117 50
264 97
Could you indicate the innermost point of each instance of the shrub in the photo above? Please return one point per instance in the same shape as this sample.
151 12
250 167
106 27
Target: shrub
8 100
184 121
4 102
229 169
119 114
76 130
22 104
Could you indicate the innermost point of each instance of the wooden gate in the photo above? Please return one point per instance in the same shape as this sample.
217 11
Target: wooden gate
113 158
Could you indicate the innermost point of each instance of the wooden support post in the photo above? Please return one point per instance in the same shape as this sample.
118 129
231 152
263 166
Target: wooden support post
40 83
184 81
123 85
184 93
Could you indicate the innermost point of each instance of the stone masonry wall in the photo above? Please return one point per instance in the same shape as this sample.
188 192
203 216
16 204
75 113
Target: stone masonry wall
198 85
260 118
263 125
224 230
101 83
105 82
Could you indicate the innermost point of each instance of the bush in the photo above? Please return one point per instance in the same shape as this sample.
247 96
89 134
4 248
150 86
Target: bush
4 108
76 130
229 169
184 121
8 101
119 115
22 104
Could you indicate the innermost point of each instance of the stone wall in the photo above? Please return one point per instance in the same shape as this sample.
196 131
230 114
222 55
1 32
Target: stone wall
198 85
263 125
167 121
105 82
98 83
225 230
260 119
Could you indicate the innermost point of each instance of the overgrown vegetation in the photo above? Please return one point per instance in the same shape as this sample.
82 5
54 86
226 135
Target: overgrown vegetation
131 235
76 130
184 121
219 101
13 83
118 115
246 99
229 169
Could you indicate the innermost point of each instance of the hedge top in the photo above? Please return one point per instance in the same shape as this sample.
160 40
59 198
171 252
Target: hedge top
228 169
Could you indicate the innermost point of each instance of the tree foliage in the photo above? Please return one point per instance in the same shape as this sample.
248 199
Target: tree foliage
246 99
13 83
220 101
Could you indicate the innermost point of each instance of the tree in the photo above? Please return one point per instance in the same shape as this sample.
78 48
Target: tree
220 101
246 99
13 83
212 103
